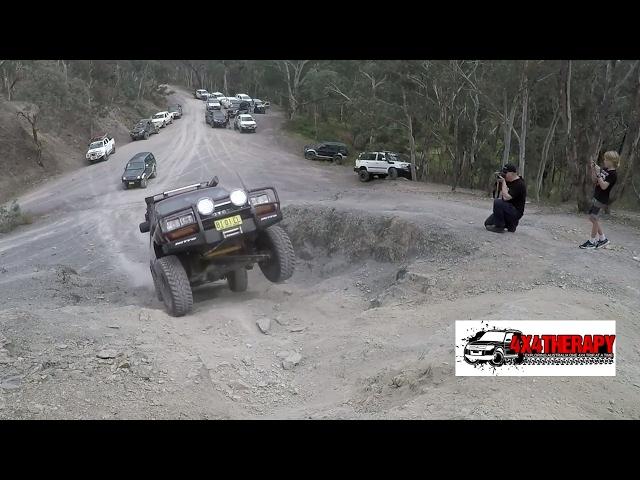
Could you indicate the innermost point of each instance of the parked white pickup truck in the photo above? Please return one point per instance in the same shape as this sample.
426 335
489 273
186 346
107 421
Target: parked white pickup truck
100 148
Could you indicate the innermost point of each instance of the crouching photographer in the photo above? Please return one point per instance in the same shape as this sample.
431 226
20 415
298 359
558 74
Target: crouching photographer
508 206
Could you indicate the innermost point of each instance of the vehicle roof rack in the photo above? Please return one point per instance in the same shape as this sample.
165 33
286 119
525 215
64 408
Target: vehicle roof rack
170 193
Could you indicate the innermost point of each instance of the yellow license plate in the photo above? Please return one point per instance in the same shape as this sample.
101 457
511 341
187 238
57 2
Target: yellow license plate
229 222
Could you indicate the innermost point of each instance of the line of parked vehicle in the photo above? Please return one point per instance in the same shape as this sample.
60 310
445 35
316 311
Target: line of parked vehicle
368 165
219 110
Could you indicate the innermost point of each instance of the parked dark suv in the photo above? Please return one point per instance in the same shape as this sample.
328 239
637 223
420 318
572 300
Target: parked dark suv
143 129
326 151
139 170
493 346
216 118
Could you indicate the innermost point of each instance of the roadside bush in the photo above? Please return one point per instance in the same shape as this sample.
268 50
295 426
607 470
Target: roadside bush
12 217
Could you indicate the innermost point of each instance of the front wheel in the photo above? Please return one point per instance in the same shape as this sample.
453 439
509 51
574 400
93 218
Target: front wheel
146 135
174 286
106 156
154 173
163 124
393 173
498 358
309 155
282 262
238 280
364 176
143 183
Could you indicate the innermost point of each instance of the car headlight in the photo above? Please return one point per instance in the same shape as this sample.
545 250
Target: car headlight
205 206
238 197
180 221
138 177
124 178
259 199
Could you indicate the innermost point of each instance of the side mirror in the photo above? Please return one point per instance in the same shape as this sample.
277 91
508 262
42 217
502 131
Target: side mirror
213 182
144 227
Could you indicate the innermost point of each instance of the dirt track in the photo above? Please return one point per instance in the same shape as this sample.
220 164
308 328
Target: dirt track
374 344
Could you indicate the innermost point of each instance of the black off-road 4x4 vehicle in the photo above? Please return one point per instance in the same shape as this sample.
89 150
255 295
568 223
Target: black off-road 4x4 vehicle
203 232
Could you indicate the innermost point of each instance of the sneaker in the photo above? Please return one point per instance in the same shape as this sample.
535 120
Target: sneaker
588 244
602 243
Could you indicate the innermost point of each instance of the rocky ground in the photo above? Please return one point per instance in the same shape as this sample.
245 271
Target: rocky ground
364 328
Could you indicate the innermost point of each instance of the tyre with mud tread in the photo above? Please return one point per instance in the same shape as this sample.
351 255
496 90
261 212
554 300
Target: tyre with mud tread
106 156
364 176
498 358
174 285
143 183
156 281
393 173
238 280
146 135
309 155
282 262
155 172
337 159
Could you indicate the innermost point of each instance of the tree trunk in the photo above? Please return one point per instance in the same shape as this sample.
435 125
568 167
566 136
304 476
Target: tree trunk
509 118
523 124
545 151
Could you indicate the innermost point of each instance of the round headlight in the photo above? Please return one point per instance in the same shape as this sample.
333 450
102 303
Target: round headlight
205 206
238 198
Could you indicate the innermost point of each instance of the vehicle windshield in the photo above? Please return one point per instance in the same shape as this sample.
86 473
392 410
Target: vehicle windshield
158 115
173 109
135 166
246 118
492 337
141 124
96 145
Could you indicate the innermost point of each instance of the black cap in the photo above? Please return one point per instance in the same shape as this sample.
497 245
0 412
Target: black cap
509 167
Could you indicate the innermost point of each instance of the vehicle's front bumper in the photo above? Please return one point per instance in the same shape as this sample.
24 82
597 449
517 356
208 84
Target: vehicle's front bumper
248 129
131 183
93 159
473 358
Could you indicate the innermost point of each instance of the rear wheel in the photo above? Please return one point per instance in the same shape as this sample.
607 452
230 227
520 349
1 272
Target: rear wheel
238 280
282 262
106 156
309 155
364 176
337 159
174 286
393 173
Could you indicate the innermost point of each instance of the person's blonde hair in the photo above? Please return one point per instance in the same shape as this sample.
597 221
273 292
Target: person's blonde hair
613 157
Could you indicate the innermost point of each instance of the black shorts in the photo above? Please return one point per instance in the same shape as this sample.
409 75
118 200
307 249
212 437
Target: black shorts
596 205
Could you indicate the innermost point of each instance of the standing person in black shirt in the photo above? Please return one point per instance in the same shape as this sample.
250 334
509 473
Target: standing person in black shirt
508 208
604 180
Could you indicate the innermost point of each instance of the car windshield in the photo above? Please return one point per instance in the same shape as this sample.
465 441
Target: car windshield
135 166
158 115
492 337
173 109
257 102
141 124
246 118
96 145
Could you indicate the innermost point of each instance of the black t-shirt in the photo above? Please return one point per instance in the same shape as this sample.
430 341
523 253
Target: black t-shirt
518 192
609 176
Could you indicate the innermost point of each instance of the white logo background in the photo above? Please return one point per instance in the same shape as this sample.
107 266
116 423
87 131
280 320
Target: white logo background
468 328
